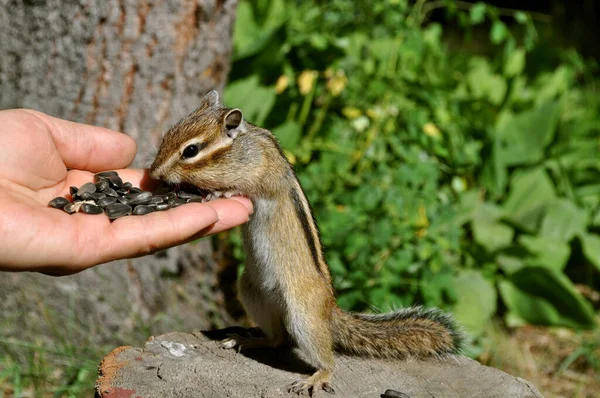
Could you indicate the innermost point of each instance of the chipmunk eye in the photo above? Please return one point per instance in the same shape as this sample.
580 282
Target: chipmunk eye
190 151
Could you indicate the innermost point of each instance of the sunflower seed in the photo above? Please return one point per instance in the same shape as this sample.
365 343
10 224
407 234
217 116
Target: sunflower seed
140 198
101 185
73 207
117 210
88 187
143 209
115 182
162 206
109 200
110 192
176 202
59 202
156 200
73 191
89 208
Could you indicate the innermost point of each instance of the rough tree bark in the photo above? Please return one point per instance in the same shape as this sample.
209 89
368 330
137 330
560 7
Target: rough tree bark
135 66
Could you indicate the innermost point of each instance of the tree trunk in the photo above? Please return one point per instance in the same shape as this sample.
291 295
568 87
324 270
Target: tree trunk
136 66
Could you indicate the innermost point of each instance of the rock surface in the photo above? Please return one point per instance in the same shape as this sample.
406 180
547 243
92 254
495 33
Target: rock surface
191 365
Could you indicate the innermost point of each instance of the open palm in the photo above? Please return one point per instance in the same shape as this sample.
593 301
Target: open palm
41 157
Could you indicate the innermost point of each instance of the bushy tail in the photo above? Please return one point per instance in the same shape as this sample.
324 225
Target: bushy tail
410 332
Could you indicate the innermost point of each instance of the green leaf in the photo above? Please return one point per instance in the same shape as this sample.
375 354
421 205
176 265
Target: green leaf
557 290
488 231
499 32
515 63
476 301
254 99
526 307
484 83
521 17
530 193
524 137
591 248
549 252
249 36
288 134
563 220
477 13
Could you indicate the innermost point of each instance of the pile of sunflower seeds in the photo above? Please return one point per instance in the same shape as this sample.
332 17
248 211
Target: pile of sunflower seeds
108 194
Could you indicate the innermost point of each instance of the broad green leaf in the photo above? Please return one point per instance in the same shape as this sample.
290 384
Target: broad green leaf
477 13
524 137
591 248
288 134
249 37
515 63
563 220
521 17
488 231
526 307
249 95
549 252
509 264
484 83
476 300
555 288
499 32
530 193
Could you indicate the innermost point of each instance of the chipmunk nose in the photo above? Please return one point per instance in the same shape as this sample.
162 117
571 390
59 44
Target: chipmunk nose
155 172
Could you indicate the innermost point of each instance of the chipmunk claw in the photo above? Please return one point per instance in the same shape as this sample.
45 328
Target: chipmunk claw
305 387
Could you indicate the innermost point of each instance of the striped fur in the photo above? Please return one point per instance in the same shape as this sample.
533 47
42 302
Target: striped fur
286 285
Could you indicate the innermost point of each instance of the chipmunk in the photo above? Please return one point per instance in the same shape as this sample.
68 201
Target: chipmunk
286 286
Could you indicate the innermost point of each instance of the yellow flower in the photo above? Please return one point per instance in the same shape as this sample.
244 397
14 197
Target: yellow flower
282 84
422 220
306 81
431 130
336 82
351 112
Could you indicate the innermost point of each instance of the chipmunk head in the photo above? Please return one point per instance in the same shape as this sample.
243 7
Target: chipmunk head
203 149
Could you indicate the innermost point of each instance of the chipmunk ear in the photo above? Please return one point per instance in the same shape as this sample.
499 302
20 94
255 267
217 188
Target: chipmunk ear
234 122
211 99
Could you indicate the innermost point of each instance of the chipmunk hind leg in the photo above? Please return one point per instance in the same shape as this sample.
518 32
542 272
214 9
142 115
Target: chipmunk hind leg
266 313
314 339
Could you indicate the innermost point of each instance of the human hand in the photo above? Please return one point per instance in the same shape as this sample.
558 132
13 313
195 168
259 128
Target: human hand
41 157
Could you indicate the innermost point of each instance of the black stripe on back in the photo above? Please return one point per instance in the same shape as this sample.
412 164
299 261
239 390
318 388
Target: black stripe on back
303 218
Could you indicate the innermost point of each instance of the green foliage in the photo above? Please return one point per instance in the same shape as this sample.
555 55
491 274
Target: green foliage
437 176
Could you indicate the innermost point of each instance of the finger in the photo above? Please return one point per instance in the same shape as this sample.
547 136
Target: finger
86 147
231 212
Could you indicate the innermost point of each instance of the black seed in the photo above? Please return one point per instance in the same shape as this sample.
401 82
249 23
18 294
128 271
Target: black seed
115 182
175 202
123 200
162 206
84 195
98 195
199 199
143 209
89 208
59 202
186 195
106 174
135 190
88 187
101 185
165 198
122 192
110 192
156 200
127 185
140 198
72 207
171 195
117 210
73 191
109 200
